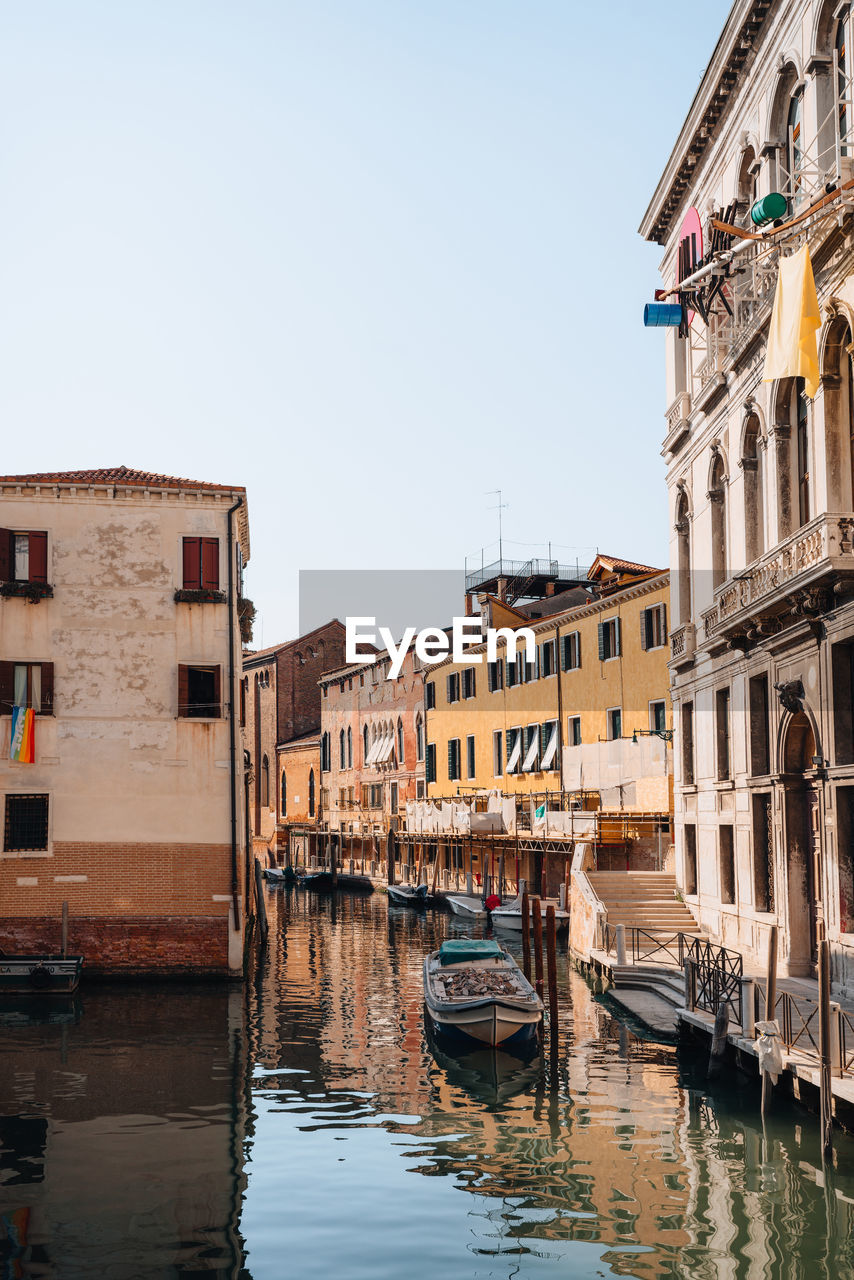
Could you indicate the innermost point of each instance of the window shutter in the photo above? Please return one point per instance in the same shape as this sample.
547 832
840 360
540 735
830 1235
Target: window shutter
448 688
192 564
38 557
578 648
431 762
618 638
7 556
644 625
490 678
210 564
472 682
183 689
47 688
601 641
663 608
216 709
544 738
7 687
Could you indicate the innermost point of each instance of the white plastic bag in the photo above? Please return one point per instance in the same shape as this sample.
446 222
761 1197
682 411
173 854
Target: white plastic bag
769 1048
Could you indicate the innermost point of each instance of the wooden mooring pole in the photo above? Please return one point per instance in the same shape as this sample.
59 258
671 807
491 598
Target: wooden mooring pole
536 912
825 1041
526 935
260 904
551 959
717 1055
770 1006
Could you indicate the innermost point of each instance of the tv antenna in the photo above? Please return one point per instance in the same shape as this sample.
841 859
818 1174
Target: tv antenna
499 507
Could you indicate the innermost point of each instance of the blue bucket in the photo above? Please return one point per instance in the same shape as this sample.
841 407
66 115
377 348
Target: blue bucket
657 315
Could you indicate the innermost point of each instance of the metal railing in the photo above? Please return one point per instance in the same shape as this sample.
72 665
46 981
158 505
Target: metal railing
715 972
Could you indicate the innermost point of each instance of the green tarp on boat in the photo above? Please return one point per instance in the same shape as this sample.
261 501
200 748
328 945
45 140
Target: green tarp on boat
458 950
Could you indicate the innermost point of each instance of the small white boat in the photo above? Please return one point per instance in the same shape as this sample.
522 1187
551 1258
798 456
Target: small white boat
509 916
470 908
474 989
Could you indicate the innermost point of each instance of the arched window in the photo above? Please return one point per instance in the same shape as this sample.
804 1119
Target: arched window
365 747
842 46
795 143
683 534
325 752
717 498
400 755
751 465
342 751
800 416
419 737
748 174
349 747
837 380
265 783
311 794
284 807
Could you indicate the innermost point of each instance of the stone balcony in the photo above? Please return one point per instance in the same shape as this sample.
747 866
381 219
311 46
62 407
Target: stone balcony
678 424
682 645
795 580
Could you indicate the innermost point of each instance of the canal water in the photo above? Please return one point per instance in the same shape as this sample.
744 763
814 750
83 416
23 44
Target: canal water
305 1127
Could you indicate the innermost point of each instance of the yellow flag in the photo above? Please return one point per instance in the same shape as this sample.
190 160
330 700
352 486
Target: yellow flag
792 347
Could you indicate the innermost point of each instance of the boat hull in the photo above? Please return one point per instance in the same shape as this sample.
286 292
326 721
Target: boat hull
402 896
464 1004
491 1025
507 918
39 975
468 908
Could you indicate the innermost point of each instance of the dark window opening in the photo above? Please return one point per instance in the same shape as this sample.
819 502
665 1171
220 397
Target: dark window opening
722 733
690 858
199 692
763 854
842 666
760 738
727 860
25 826
845 837
687 718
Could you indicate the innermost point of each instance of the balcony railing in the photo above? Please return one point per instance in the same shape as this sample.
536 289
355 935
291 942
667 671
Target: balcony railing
809 559
682 642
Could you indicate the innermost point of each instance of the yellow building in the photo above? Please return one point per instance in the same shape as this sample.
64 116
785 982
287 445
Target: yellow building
589 717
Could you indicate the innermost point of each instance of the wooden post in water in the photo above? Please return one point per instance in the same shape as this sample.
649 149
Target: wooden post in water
435 867
501 874
551 958
418 867
536 912
719 1040
770 1006
260 904
825 1036
390 854
333 861
64 930
526 935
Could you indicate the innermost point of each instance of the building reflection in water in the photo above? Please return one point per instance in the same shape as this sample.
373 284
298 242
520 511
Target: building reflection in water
122 1129
305 1125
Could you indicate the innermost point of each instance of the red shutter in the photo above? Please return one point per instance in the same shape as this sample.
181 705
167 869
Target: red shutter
7 555
7 687
210 564
183 690
216 708
47 688
38 557
192 564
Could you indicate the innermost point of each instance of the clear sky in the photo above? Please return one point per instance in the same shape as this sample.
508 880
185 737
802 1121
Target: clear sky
370 258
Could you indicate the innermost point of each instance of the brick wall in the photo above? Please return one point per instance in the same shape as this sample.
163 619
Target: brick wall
143 946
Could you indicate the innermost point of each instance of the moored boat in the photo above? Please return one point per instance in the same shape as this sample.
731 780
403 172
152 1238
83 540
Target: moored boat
509 915
468 908
407 895
474 989
280 875
44 975
321 882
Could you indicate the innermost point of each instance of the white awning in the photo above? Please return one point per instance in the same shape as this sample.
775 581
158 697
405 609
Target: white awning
372 754
533 751
386 748
513 760
551 749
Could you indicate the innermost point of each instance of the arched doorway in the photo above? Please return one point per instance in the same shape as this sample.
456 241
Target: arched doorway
803 844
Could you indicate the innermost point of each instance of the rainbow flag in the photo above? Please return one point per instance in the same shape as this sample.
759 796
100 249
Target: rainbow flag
23 744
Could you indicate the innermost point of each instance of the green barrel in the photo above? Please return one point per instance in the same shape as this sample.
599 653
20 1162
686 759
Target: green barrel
768 209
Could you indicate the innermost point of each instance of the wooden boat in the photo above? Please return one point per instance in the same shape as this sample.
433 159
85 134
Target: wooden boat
405 895
321 882
468 908
474 989
45 975
509 916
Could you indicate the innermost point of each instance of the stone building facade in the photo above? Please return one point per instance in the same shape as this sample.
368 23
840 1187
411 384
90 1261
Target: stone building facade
280 705
119 595
760 481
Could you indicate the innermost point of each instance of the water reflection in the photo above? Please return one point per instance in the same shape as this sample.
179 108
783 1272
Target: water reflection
306 1125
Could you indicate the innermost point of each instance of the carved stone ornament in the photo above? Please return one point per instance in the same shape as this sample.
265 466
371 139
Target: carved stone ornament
791 695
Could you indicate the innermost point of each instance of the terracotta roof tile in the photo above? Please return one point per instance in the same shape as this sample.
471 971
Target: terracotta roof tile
118 476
